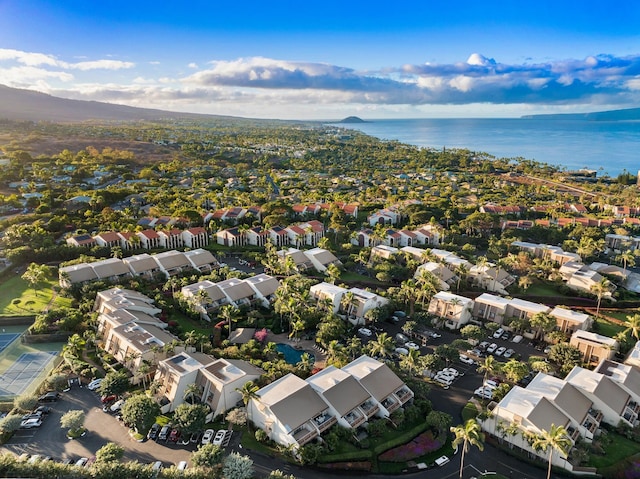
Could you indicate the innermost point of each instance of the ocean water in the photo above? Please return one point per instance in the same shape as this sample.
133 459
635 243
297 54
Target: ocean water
607 146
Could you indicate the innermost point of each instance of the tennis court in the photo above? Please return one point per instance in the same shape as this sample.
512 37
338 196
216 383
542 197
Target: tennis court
15 380
6 339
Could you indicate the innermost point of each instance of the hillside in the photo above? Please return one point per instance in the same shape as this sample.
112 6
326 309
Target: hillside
17 104
628 114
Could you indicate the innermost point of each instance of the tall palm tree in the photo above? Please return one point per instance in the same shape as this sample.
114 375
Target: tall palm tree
248 391
488 366
633 326
599 289
628 259
556 438
468 434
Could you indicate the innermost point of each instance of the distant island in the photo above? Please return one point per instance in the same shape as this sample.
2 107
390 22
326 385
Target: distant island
352 119
628 114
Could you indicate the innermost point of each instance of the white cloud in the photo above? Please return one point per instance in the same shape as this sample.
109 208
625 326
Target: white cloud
193 65
37 59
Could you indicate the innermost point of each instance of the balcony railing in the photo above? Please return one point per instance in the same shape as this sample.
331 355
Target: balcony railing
324 421
354 419
390 404
303 435
404 394
369 408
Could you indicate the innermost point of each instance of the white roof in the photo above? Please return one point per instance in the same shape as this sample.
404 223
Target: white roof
528 306
594 338
493 300
449 297
569 315
328 289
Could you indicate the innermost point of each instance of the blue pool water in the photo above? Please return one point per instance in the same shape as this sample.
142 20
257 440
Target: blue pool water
291 354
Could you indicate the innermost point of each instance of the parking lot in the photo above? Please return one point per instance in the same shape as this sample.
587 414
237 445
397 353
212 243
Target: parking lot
50 439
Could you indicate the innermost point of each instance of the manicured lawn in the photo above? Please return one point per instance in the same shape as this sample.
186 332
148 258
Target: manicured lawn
188 324
469 411
607 328
351 276
544 289
619 449
19 299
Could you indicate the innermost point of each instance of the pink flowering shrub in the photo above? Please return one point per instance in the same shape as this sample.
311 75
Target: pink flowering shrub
261 335
419 446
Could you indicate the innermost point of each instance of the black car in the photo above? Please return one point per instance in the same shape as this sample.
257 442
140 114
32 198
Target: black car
42 410
153 432
51 396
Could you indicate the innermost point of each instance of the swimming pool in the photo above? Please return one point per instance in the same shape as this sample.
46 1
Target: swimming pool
291 354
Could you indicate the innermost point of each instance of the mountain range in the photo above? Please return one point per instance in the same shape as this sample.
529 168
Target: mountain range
18 104
628 114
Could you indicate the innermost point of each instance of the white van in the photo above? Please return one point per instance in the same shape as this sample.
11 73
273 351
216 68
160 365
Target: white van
116 406
182 465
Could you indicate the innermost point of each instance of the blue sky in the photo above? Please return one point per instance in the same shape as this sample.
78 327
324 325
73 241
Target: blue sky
329 59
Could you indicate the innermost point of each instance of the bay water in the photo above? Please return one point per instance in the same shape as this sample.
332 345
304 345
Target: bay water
606 146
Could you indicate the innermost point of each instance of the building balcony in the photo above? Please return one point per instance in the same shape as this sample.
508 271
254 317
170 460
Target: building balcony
574 434
634 406
354 418
404 394
324 421
390 404
596 415
302 435
369 408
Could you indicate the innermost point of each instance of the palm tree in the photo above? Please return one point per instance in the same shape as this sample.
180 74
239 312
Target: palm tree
628 259
633 326
557 438
191 393
382 346
410 361
467 434
228 313
248 391
143 371
488 366
599 289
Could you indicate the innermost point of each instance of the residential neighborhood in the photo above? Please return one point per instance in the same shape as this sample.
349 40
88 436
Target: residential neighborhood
258 304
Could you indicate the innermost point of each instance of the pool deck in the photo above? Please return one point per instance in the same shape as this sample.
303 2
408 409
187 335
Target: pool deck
301 344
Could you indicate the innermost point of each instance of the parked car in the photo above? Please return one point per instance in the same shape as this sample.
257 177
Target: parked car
182 465
492 347
505 336
491 384
156 467
508 353
50 396
517 338
452 371
184 440
393 319
95 384
498 333
412 345
82 461
483 345
31 423
404 351
401 338
484 393
365 331
500 351
164 433
207 436
174 435
115 407
400 314
466 359
108 398
42 410
154 431
195 437
219 438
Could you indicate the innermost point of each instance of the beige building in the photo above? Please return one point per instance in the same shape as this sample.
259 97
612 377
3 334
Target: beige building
594 347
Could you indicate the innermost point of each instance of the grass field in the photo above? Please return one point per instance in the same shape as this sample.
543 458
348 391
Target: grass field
20 299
